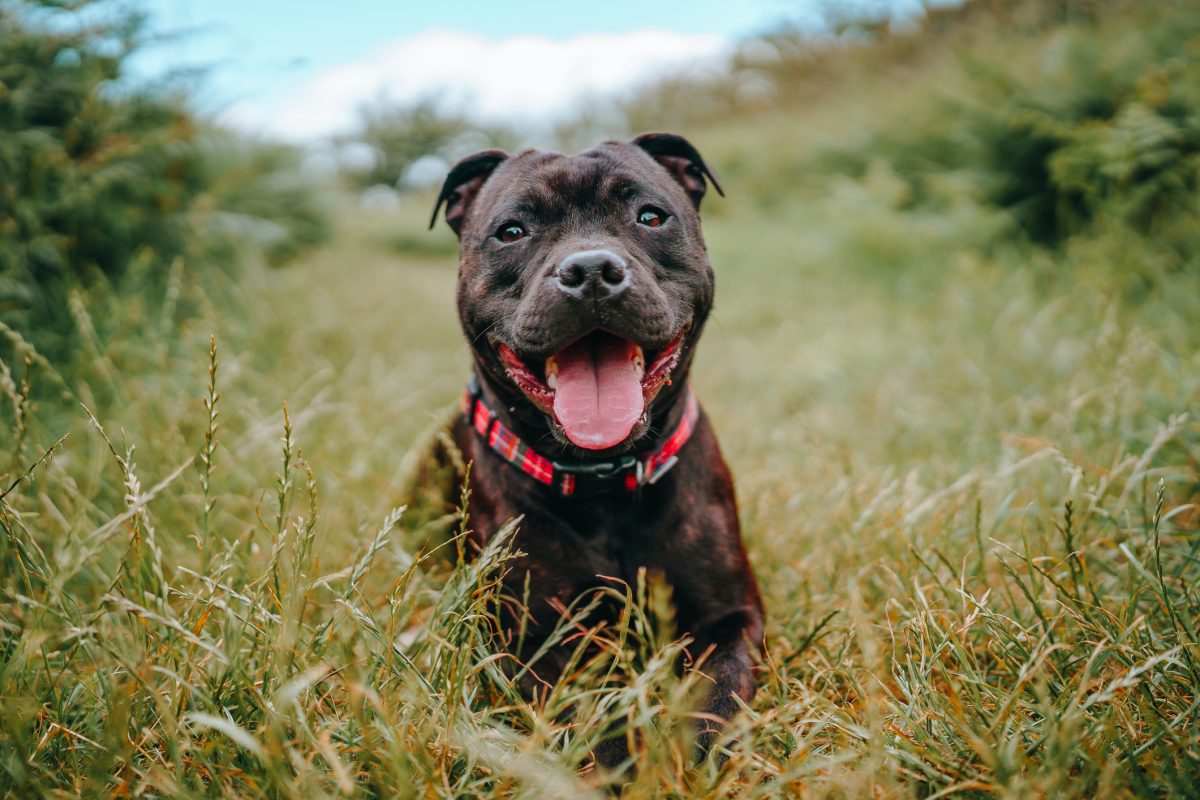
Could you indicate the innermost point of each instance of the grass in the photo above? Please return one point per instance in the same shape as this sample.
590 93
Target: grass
969 481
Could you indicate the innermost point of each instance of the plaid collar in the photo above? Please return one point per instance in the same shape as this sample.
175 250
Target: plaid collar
580 478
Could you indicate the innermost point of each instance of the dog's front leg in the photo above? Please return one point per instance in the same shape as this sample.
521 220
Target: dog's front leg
727 651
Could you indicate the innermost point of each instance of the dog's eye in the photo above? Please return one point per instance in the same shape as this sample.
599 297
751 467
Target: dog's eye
510 232
651 217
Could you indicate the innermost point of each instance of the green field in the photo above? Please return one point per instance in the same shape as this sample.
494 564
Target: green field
967 457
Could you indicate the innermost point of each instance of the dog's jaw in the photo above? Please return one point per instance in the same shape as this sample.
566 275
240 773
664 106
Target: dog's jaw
538 381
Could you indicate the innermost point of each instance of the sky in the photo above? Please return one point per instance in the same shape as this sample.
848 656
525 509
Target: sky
300 69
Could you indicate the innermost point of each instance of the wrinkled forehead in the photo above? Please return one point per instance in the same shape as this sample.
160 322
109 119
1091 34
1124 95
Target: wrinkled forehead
543 184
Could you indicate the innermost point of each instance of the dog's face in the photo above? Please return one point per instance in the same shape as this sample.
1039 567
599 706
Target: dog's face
583 281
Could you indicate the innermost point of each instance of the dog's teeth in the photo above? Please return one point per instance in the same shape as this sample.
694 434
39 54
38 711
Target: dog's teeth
551 372
551 380
639 362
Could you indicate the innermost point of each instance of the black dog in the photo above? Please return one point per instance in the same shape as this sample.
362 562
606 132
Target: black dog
583 286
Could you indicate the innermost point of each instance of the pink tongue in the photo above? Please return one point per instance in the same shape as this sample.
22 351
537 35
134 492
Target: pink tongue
598 394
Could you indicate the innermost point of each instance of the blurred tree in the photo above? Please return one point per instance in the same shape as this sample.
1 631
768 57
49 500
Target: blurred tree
89 176
398 136
97 176
257 197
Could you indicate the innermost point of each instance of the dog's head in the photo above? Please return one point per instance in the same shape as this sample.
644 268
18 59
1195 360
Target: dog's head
583 281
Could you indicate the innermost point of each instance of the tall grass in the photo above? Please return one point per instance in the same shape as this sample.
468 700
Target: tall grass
976 529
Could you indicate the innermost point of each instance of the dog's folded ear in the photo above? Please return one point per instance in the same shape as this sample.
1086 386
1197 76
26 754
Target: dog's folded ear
682 160
462 184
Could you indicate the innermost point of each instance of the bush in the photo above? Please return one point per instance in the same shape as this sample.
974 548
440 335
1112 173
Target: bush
1105 130
89 178
1108 132
97 178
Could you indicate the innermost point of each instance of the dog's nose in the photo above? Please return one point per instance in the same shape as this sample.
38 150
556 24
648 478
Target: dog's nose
600 273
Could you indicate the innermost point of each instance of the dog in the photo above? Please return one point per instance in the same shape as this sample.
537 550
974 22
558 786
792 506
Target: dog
583 286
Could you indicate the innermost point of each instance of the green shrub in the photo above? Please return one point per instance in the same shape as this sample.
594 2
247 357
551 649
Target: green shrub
99 180
1111 130
90 178
1105 127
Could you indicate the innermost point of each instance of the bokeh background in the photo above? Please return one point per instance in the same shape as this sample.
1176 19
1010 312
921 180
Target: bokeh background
954 364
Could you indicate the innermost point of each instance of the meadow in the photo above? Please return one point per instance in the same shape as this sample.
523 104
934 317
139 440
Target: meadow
966 450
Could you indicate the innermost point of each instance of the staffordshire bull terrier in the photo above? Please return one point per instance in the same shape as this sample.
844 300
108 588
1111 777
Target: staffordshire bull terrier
583 286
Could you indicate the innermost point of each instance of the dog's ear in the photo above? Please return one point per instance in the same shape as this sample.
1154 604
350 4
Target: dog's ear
462 184
682 160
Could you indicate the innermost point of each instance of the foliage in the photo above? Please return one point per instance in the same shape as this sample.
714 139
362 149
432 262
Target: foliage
1092 122
258 197
1105 130
89 181
99 178
397 136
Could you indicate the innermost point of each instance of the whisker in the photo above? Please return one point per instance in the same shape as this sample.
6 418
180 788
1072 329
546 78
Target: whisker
484 332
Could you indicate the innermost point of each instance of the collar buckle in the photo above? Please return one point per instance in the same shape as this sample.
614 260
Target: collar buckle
599 469
662 469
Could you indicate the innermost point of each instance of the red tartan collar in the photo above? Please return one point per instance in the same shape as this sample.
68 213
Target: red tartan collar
629 472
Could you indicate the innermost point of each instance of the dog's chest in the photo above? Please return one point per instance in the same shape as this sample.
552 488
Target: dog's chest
585 545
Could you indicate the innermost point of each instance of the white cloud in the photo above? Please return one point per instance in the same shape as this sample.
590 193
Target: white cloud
521 80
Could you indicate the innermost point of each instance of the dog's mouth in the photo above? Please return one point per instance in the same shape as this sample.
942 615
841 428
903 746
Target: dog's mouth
597 388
